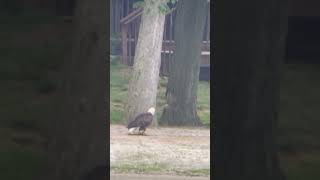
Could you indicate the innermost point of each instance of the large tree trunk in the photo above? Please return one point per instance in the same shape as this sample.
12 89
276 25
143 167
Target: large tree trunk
79 133
65 7
112 21
144 82
185 66
250 37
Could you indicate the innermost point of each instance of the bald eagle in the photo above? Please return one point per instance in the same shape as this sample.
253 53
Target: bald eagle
141 122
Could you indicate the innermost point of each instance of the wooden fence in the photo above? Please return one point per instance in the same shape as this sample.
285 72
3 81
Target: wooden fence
129 22
119 9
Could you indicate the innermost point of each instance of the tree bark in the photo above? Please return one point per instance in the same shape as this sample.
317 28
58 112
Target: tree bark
77 145
112 21
185 66
65 7
144 82
250 37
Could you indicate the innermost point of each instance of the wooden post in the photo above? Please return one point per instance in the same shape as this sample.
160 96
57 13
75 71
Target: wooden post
129 59
124 40
135 36
117 16
163 47
208 26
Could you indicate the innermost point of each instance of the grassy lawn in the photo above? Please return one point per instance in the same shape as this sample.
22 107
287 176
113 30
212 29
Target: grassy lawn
158 168
119 79
298 134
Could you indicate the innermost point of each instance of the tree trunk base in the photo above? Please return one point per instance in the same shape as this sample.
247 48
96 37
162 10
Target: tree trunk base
175 117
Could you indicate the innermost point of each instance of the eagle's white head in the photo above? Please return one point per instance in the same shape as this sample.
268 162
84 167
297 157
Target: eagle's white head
152 110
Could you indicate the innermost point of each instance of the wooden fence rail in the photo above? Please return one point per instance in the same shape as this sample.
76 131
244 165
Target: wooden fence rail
129 22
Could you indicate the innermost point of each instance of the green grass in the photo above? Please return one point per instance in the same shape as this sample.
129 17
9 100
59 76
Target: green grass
140 168
203 102
119 79
194 172
116 116
157 168
118 89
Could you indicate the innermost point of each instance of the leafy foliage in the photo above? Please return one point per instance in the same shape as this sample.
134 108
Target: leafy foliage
138 4
163 7
173 1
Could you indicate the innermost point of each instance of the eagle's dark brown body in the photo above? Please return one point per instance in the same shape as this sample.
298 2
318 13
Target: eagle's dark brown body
140 123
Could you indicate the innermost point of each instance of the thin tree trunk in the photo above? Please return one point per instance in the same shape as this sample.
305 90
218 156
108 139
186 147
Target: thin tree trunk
185 66
144 82
112 22
79 133
250 37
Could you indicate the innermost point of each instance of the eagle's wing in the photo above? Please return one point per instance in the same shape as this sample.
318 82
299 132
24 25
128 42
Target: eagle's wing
138 121
147 120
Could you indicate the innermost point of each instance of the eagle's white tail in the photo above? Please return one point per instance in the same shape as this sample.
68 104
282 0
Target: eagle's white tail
133 130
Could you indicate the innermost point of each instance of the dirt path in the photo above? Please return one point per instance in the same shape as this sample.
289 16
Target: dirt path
164 150
153 177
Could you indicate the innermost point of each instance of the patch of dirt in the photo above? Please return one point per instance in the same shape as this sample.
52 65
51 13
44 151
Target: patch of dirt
178 148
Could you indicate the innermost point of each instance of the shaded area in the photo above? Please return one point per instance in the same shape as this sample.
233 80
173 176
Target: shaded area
303 39
31 53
